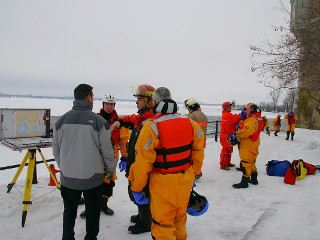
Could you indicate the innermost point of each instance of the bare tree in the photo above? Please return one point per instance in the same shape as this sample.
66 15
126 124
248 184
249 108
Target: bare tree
294 61
288 100
277 64
275 95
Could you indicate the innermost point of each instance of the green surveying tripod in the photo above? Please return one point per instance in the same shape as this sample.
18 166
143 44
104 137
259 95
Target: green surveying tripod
31 158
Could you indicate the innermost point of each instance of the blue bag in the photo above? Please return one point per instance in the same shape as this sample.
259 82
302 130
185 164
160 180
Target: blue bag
277 168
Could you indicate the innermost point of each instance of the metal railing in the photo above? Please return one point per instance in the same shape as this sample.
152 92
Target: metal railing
214 129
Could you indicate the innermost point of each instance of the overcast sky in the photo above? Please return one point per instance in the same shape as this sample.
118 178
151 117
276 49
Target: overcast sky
196 48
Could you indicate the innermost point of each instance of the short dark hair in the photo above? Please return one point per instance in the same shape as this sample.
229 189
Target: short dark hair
254 108
82 91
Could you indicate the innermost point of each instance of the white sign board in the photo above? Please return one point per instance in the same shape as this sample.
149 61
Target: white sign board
18 125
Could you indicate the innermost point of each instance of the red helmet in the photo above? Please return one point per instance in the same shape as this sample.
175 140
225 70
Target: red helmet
279 116
291 112
225 105
143 90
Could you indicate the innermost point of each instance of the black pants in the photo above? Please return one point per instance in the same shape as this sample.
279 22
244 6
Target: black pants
144 211
71 199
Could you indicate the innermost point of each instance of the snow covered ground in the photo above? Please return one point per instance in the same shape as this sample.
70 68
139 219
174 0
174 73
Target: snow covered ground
270 210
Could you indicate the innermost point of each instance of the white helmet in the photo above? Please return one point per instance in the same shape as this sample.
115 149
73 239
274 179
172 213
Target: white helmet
108 98
189 102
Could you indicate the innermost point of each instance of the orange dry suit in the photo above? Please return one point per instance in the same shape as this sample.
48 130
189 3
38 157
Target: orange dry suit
119 139
169 152
276 124
249 136
228 125
291 122
266 125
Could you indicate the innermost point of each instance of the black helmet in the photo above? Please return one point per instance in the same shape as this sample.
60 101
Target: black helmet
233 140
197 205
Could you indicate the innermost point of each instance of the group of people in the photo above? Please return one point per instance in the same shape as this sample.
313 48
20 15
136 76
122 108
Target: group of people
156 158
291 118
244 129
241 129
161 151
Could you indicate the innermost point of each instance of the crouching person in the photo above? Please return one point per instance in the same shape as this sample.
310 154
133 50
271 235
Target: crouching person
169 152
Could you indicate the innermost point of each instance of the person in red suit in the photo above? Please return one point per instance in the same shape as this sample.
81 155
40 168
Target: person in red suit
228 125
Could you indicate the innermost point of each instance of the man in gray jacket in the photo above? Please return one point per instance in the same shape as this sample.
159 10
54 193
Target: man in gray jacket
83 151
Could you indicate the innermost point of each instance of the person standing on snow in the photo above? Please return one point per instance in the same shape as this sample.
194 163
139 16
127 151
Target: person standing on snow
119 139
228 125
277 125
83 151
198 116
266 125
249 136
292 118
169 153
143 93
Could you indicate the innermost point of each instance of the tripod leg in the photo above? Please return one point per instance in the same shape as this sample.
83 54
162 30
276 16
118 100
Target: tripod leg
49 169
23 163
28 185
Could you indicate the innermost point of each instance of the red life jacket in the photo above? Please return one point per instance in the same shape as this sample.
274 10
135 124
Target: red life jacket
291 120
115 135
256 135
175 135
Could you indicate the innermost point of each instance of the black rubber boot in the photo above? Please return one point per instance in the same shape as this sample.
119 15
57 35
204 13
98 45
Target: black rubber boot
104 207
254 178
134 218
139 227
276 133
243 183
144 220
288 134
292 134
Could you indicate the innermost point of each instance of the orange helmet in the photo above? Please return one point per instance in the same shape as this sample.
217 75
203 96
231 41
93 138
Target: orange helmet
143 90
225 105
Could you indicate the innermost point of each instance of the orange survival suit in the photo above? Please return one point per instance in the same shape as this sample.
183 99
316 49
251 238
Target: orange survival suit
228 125
169 151
249 136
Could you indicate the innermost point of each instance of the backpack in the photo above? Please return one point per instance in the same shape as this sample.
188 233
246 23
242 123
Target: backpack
291 175
301 168
277 168
311 168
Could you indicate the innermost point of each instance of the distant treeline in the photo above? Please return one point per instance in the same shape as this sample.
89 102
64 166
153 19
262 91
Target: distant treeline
51 97
71 98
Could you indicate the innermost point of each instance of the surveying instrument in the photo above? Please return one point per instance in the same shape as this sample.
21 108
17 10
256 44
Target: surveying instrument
26 129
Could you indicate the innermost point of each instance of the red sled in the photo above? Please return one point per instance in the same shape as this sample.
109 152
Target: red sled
291 175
